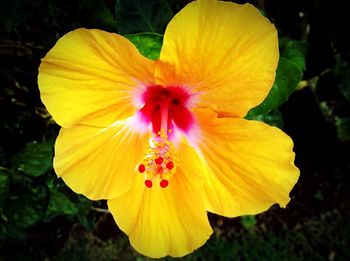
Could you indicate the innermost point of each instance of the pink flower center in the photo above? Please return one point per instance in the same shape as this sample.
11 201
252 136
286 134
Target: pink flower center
165 109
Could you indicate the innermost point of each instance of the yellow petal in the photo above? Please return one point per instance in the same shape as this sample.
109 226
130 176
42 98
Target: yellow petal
165 221
90 77
249 165
99 163
225 52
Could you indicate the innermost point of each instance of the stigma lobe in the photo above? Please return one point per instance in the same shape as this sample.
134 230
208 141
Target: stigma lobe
166 108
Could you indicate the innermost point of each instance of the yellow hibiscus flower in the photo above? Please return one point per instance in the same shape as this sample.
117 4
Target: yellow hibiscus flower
165 141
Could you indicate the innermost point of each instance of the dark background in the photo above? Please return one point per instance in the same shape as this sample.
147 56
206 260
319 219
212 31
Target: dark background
41 219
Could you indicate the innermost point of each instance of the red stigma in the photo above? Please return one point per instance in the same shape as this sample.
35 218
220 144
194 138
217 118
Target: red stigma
170 165
148 183
164 183
166 108
142 168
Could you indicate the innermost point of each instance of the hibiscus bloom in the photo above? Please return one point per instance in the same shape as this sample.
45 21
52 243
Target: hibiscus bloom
165 141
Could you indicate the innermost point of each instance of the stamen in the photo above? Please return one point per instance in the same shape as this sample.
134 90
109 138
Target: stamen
142 168
160 161
164 183
170 165
148 183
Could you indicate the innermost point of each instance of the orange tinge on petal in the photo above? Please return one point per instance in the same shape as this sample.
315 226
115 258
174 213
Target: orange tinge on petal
247 166
100 163
220 58
224 52
90 77
165 221
88 82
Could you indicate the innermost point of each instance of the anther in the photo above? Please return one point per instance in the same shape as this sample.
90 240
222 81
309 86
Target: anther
142 168
148 183
164 183
159 160
170 165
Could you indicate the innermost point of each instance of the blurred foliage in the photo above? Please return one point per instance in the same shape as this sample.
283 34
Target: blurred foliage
295 51
142 16
148 44
4 186
248 222
30 192
309 240
288 75
34 160
41 218
92 12
337 109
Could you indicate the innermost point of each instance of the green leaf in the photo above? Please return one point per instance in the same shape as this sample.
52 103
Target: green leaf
4 186
318 195
8 230
148 44
2 157
273 118
13 13
95 14
27 203
288 75
60 204
64 202
342 72
134 16
34 160
84 205
248 222
343 128
295 51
